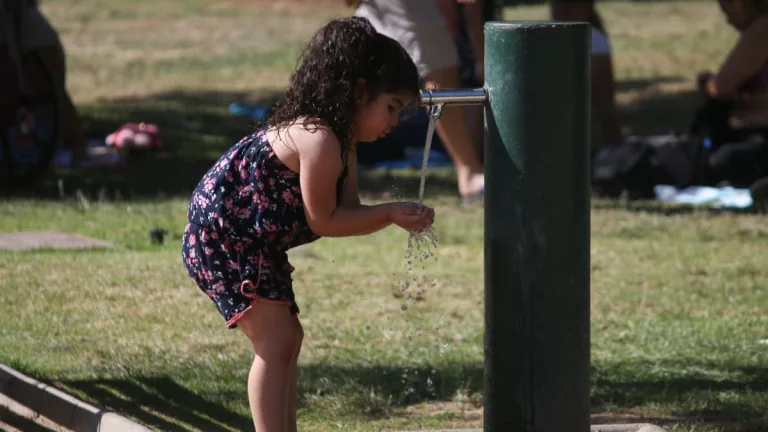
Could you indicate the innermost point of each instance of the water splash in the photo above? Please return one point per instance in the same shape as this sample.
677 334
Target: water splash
421 247
427 146
421 243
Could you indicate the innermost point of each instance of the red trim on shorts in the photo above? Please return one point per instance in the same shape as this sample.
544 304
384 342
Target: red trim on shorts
255 297
250 284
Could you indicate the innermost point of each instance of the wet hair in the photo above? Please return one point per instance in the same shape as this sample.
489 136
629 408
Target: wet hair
322 88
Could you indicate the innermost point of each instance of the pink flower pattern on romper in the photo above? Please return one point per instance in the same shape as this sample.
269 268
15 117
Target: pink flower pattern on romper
244 215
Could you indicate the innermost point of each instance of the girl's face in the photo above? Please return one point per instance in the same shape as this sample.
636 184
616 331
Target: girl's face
739 13
376 118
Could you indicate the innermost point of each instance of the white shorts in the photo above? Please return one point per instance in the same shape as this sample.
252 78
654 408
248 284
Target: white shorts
418 26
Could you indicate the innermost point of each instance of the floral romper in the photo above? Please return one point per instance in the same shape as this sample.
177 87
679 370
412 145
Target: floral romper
244 215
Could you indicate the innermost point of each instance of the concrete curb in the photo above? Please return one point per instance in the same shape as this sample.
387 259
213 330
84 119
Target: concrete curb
637 427
79 416
629 427
60 407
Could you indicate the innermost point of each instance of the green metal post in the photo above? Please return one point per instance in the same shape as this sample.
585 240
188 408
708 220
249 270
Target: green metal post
537 227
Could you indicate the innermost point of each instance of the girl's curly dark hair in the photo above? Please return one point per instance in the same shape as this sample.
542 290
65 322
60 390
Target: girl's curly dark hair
323 85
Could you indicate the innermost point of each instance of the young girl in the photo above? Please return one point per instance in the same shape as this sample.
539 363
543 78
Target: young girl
289 183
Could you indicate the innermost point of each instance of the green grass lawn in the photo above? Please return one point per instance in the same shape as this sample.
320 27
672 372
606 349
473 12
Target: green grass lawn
679 299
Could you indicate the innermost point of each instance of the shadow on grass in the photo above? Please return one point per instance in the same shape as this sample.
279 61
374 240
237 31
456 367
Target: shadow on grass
162 404
619 391
660 112
692 397
196 128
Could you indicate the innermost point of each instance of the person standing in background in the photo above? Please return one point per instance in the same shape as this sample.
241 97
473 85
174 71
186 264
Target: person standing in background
603 83
465 23
38 36
421 28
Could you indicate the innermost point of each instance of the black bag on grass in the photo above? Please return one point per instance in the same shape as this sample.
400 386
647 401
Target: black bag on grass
711 153
641 162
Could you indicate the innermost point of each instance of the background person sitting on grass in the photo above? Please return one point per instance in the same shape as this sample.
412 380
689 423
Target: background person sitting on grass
744 73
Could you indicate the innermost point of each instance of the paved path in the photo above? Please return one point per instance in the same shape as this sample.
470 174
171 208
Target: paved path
27 240
18 418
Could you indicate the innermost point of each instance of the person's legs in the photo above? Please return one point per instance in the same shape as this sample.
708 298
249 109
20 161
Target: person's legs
272 331
427 39
475 117
470 75
452 128
574 10
40 38
603 80
604 99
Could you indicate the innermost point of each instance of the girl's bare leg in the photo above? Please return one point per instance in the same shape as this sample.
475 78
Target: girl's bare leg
272 332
